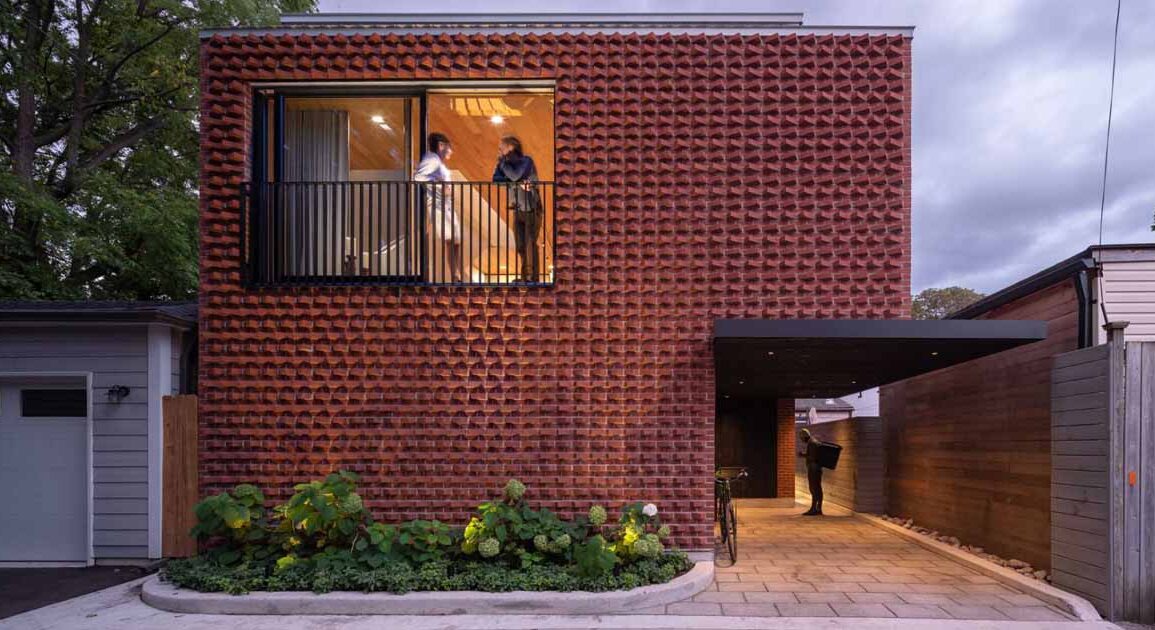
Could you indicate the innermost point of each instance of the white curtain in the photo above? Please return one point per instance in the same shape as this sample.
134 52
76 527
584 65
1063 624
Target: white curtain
316 150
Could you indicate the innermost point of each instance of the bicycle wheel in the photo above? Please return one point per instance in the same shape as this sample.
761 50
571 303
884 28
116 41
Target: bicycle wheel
730 531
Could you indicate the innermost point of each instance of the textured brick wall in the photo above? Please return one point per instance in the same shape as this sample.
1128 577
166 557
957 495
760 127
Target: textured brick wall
787 448
765 177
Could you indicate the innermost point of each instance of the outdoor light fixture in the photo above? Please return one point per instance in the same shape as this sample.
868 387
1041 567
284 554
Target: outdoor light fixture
497 119
117 393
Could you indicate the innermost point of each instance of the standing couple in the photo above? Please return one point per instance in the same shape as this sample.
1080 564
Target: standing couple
514 168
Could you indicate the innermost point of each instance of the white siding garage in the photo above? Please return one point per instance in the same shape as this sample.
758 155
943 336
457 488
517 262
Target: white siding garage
96 479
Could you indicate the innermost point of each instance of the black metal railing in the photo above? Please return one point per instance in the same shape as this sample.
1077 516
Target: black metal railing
399 232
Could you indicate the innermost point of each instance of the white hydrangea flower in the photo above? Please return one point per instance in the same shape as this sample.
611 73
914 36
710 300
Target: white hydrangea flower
650 510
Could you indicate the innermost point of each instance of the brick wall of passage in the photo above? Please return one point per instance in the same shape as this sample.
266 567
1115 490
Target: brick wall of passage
769 177
787 448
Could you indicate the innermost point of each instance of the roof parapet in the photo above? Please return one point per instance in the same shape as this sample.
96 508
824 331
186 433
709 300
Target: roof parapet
352 24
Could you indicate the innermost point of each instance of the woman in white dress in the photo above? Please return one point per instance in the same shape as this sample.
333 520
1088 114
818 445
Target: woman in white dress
439 214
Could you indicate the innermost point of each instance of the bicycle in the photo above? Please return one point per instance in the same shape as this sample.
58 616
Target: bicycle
725 513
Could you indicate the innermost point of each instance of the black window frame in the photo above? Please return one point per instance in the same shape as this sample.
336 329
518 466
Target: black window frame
259 169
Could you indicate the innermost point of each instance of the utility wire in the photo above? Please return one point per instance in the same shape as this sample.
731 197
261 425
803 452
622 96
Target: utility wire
1110 109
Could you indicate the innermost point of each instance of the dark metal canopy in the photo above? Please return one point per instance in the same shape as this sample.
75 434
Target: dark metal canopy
810 358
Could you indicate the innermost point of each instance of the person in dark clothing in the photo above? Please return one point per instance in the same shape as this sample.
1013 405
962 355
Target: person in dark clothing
813 472
517 169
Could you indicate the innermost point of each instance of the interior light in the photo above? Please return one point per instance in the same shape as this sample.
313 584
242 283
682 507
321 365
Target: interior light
385 126
770 354
497 119
934 354
378 119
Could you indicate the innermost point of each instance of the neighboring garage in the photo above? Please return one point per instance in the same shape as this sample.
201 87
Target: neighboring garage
81 385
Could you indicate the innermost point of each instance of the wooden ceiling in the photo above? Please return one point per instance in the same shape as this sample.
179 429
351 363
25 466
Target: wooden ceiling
466 116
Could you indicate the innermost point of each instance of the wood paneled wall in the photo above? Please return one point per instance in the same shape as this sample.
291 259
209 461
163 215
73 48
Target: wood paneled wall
180 476
1080 489
858 482
968 447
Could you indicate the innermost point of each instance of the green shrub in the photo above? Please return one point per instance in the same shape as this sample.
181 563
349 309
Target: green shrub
508 530
322 514
232 526
324 539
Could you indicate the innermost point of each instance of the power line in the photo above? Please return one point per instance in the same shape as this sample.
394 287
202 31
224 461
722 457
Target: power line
1110 110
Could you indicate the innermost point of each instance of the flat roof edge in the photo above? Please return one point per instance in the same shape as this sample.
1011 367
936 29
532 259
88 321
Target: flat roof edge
789 18
930 329
907 31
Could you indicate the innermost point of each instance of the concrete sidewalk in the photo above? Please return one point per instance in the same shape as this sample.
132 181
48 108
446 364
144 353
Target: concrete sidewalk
120 608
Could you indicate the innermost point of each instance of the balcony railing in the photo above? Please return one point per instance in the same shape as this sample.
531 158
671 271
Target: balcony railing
399 232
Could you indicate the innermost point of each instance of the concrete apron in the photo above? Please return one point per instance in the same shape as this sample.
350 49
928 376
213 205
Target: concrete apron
173 599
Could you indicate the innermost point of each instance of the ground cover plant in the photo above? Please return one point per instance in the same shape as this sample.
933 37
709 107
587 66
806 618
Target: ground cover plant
324 539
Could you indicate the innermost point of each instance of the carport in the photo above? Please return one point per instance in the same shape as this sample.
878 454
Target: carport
762 365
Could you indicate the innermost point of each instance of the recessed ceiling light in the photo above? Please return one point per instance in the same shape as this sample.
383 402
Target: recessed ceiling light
741 382
770 354
934 354
378 119
497 119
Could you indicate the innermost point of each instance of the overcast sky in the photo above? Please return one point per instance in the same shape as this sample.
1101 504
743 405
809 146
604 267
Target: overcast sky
1010 110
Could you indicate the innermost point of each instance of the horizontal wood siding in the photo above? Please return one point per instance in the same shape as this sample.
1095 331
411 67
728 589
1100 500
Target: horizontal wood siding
117 355
1127 289
1080 441
857 483
968 447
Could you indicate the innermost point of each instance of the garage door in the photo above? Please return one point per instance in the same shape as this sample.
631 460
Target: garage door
43 464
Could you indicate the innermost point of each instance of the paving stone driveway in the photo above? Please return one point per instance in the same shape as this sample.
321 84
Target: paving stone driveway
840 566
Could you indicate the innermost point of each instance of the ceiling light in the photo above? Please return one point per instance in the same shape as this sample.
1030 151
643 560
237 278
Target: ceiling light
769 354
934 354
497 119
378 119
741 382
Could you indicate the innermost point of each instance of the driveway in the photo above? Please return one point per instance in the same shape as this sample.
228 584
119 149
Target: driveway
28 589
841 566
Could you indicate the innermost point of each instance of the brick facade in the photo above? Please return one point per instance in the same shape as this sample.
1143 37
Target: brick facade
787 447
768 177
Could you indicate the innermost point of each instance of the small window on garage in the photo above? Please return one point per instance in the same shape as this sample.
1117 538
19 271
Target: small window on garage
53 403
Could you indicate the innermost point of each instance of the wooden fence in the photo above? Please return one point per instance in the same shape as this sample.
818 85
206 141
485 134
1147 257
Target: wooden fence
1103 476
858 481
180 476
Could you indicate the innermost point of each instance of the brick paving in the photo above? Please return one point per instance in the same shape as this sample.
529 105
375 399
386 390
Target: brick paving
840 566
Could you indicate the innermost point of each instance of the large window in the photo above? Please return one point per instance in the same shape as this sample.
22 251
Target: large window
345 187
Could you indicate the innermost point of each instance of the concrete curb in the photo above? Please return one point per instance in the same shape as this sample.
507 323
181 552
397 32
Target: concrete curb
173 599
1070 603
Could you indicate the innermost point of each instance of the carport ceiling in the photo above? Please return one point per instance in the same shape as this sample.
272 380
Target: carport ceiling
818 358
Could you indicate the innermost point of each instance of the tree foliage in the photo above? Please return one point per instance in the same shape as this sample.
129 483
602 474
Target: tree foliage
98 143
938 303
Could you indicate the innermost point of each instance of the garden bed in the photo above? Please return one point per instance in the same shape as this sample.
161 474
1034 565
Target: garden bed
323 542
167 596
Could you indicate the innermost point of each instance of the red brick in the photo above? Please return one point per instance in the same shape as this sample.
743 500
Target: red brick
770 178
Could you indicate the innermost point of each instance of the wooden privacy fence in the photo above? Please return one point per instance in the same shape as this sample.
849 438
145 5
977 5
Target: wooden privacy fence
1103 476
180 476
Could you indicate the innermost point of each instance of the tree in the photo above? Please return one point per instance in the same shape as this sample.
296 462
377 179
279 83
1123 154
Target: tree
98 143
938 303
